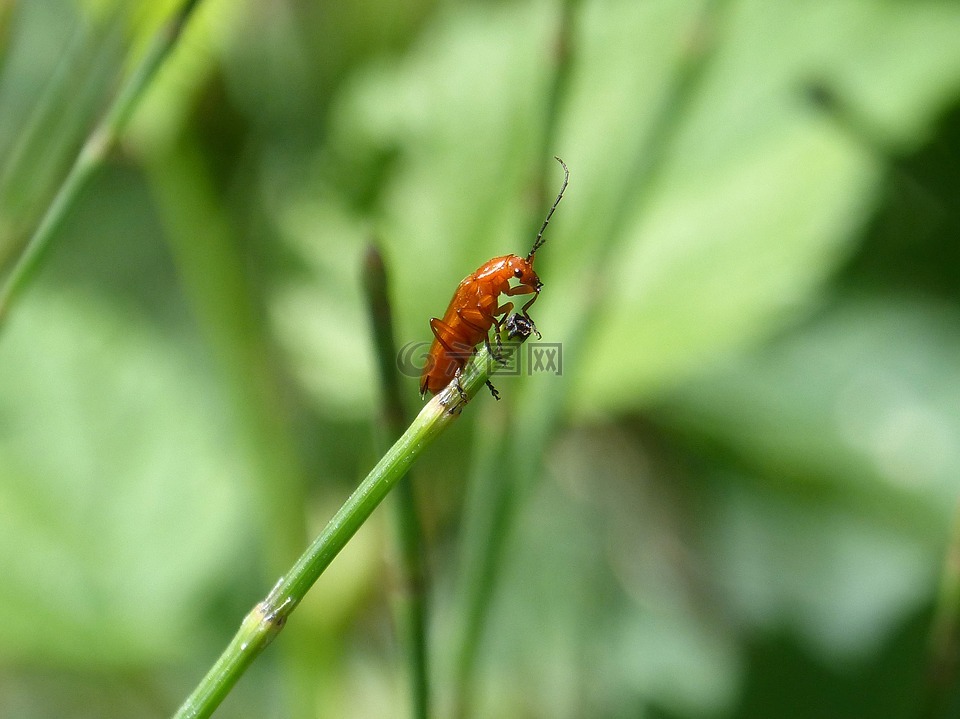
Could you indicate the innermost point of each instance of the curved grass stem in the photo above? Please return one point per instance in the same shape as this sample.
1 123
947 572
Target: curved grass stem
267 618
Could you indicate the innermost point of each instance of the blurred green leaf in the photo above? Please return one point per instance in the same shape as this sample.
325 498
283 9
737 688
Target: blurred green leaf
839 582
851 427
761 195
119 493
602 611
863 401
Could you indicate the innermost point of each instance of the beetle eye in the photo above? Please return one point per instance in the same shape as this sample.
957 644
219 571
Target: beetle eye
518 273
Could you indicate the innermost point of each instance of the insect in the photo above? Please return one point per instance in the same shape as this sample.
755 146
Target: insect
475 309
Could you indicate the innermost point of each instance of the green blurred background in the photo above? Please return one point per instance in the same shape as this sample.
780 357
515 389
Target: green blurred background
735 501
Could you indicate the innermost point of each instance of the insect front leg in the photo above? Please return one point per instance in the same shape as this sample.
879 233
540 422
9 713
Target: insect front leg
526 314
526 290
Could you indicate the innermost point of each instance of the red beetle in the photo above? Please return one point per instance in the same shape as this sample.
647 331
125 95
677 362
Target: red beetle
475 309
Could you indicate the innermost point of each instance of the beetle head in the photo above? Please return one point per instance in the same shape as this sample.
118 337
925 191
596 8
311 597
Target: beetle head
521 269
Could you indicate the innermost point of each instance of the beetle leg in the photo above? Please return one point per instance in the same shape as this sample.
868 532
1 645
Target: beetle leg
523 311
526 290
497 324
496 395
475 317
438 327
519 290
502 312
536 296
456 379
497 354
447 338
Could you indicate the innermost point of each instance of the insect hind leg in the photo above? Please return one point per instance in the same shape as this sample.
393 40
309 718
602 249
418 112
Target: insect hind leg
460 390
442 332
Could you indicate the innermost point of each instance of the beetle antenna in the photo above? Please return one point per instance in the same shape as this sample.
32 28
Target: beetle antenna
539 241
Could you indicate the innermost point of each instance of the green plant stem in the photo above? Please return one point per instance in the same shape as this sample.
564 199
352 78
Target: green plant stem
93 153
267 618
411 601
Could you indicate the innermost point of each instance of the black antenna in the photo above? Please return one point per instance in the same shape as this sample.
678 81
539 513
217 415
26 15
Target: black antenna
538 243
